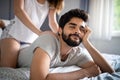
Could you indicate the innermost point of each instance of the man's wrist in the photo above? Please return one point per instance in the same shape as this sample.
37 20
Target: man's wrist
86 73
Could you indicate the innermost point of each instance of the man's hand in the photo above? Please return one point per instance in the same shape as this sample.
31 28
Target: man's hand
85 39
87 33
92 71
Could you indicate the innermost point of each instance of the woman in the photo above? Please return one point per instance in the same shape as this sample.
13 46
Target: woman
30 15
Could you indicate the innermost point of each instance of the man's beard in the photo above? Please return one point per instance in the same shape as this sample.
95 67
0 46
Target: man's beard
71 42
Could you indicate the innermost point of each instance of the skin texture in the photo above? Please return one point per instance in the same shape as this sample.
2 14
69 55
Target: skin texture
41 61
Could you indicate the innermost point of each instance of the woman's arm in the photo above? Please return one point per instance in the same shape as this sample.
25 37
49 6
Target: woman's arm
23 16
95 54
52 20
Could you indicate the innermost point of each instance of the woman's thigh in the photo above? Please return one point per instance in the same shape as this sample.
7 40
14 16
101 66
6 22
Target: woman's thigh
9 50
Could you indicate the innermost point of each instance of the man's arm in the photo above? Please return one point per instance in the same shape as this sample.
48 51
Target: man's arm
95 54
40 69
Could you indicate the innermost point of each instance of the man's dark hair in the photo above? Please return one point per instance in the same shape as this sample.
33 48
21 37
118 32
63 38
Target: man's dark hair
70 14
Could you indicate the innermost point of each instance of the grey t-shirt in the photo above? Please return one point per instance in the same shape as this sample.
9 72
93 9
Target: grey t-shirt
51 45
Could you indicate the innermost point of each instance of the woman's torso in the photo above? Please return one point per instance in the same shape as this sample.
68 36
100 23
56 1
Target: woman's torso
37 12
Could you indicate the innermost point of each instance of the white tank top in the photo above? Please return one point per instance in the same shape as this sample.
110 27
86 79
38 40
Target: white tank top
38 13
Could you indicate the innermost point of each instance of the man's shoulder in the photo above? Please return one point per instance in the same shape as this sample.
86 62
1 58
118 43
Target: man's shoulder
49 33
47 36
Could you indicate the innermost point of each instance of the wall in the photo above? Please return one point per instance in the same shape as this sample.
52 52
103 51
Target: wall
108 46
70 4
6 9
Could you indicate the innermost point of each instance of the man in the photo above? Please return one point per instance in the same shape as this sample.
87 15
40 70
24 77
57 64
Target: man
55 50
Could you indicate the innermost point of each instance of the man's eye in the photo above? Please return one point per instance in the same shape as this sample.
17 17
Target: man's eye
82 28
72 26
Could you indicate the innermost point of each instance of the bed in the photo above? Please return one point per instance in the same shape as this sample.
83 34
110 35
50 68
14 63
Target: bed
24 73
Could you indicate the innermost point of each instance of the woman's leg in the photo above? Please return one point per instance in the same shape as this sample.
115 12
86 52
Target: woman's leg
9 50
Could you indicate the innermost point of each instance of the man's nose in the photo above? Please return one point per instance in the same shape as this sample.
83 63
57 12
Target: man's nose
77 30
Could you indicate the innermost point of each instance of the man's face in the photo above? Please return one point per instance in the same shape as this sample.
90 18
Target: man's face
73 32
